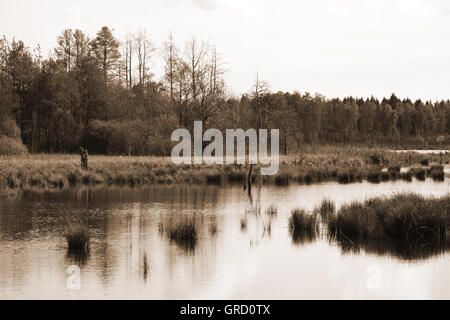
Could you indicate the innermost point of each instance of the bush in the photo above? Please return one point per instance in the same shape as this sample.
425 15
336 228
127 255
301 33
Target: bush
10 146
9 128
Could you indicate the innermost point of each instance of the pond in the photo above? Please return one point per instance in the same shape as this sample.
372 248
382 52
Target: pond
130 256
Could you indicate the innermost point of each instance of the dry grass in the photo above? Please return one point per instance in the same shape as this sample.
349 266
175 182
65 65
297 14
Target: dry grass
303 226
405 225
326 163
77 237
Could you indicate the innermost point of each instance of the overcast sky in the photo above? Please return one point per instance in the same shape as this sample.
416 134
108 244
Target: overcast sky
336 48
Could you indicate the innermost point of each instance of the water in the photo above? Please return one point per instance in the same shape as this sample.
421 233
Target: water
425 151
232 264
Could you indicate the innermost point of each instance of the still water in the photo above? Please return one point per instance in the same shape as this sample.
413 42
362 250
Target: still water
130 258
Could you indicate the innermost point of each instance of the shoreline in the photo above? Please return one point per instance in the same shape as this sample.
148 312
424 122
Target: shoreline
324 164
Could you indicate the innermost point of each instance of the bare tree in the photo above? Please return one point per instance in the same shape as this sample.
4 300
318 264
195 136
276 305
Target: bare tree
259 89
196 59
129 53
144 50
170 53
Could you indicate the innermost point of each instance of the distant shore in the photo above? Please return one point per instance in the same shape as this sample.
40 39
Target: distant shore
344 164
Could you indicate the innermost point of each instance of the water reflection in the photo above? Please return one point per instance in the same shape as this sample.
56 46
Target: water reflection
77 256
132 256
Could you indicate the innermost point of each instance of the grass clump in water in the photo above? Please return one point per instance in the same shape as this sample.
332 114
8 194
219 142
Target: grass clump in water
405 225
437 173
420 174
184 233
77 237
303 226
326 209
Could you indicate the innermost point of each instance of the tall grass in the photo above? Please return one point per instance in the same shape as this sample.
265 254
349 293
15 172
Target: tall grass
344 164
183 234
326 209
437 173
406 225
77 237
303 226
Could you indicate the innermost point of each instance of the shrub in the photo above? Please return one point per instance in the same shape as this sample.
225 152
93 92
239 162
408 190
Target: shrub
11 147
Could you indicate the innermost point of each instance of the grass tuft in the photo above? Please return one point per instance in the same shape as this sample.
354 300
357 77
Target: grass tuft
77 237
405 225
303 227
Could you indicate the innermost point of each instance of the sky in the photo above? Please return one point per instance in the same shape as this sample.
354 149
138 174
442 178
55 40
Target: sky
335 48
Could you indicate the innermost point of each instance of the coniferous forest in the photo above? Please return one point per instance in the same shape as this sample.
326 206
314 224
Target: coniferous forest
100 92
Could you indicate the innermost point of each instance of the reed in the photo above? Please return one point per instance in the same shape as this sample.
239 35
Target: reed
183 234
303 226
405 223
77 237
326 209
344 164
437 173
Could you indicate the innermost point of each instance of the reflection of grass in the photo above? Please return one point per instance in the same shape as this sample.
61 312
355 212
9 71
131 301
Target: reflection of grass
243 224
404 224
145 265
213 229
272 211
303 226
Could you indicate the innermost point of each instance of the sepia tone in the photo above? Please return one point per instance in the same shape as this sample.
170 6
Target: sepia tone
93 204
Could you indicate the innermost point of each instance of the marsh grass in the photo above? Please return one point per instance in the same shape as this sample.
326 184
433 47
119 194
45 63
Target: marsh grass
282 179
437 173
77 237
183 234
374 176
404 225
420 173
326 209
344 164
407 176
303 226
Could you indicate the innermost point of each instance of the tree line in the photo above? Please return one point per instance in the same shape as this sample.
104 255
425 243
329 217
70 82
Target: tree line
101 93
